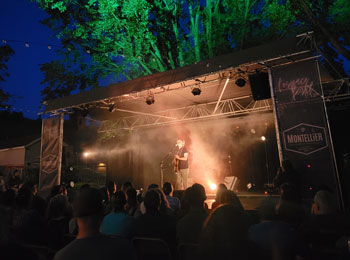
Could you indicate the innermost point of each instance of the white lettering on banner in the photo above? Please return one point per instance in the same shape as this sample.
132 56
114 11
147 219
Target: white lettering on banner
298 87
305 138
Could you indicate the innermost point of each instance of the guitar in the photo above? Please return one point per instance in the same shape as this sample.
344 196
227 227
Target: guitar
176 162
176 165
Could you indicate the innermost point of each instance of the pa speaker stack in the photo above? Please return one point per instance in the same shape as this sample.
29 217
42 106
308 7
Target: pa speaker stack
260 86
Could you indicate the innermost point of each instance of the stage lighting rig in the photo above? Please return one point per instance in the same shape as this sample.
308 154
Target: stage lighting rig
111 108
240 82
150 99
196 91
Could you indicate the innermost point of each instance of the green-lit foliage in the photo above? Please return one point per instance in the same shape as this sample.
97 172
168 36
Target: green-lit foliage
340 14
340 10
130 38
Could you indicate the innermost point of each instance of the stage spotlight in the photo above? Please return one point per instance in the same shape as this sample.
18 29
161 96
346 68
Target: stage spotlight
196 91
213 186
111 108
250 186
86 154
263 138
240 82
149 100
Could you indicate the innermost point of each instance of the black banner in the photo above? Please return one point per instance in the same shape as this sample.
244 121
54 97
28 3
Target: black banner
303 124
51 153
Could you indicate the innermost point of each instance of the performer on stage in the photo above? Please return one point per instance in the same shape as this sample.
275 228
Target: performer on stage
181 165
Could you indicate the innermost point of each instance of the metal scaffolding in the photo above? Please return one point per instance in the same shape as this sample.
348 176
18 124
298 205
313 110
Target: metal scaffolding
334 91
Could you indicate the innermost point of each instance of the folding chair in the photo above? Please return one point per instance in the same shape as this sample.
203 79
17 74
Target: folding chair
188 251
151 248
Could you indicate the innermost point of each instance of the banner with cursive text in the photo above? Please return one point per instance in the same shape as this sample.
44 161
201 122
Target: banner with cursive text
51 153
303 129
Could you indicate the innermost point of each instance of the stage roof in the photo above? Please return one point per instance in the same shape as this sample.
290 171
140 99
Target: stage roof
172 90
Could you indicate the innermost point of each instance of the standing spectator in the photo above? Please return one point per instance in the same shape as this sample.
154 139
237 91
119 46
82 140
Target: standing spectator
174 202
90 243
38 203
14 181
2 183
287 174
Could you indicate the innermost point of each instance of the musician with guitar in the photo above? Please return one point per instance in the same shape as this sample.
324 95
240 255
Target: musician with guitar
180 163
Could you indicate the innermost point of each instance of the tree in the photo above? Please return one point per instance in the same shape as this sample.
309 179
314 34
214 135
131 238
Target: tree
5 52
61 82
127 39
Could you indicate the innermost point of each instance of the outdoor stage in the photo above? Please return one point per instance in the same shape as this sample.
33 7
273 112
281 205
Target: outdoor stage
250 200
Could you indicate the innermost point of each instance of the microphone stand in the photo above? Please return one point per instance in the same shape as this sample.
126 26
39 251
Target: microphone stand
162 168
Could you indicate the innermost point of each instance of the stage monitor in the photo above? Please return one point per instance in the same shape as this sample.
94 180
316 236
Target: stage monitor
231 182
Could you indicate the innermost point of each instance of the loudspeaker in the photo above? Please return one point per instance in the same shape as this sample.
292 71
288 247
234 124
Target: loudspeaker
231 182
260 86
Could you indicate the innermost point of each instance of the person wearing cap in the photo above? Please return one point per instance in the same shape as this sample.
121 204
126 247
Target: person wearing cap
90 243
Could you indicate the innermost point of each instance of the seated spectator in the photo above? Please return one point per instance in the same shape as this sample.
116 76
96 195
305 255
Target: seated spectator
289 209
189 227
185 206
132 205
28 226
38 203
112 188
164 204
225 236
174 202
221 188
324 204
107 200
118 222
7 201
276 239
55 190
90 243
153 223
59 213
230 197
325 224
126 185
152 186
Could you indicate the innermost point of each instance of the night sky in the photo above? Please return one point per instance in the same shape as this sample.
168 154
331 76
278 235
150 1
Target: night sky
20 23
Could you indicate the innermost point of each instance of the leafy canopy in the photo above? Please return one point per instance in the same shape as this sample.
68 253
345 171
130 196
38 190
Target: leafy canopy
122 40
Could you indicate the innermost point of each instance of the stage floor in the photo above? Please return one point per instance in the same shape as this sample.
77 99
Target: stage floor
249 200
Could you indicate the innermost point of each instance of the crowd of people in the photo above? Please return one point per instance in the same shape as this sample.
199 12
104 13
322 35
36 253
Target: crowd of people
91 223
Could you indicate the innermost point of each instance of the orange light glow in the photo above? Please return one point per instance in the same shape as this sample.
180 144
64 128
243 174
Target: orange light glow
212 186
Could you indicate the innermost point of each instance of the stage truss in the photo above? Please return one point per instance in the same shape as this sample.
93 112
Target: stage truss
334 91
225 108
